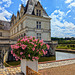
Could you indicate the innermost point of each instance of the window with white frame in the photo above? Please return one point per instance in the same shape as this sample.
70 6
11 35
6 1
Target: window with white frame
39 36
38 12
38 25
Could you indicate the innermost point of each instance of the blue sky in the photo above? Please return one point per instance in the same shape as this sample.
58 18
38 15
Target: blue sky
62 13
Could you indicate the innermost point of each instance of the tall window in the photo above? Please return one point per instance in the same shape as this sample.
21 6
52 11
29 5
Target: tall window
17 28
38 12
38 25
0 33
39 36
21 26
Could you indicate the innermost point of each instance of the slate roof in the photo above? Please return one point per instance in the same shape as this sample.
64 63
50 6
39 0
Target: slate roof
5 24
29 9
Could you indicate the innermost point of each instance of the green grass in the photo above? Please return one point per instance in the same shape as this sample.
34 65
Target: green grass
14 63
66 46
42 59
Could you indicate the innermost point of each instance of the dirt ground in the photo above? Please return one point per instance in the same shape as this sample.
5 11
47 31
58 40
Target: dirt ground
62 70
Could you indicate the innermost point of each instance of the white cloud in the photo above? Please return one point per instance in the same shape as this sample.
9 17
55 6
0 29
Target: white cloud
0 2
45 8
73 18
61 28
70 16
68 1
68 12
19 7
24 1
7 3
4 14
71 5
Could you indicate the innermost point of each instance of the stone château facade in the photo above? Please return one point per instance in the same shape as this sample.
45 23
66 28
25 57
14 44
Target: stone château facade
32 20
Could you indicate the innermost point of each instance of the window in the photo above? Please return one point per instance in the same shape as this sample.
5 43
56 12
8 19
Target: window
39 36
21 26
38 12
0 33
38 25
17 28
14 30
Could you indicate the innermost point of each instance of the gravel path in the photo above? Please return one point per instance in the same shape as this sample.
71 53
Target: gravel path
61 70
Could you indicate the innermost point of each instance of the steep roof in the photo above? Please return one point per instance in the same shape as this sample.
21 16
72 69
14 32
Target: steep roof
29 9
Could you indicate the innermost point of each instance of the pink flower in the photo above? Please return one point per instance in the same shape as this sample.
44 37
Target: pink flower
16 59
33 59
23 40
21 53
41 44
46 52
23 56
18 40
14 54
28 41
16 47
35 45
32 43
11 51
12 46
36 58
41 41
33 48
43 52
23 46
28 55
47 46
39 52
20 58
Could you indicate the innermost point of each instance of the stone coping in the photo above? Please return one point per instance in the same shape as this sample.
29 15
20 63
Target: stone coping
55 61
66 50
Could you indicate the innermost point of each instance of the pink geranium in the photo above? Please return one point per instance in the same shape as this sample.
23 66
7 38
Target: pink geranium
11 51
28 55
47 46
23 46
29 48
33 48
21 53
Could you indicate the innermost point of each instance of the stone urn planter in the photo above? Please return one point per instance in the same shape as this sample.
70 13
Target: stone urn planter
29 50
31 64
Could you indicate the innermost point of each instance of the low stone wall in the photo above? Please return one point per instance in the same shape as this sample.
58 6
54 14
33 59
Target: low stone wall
50 64
66 50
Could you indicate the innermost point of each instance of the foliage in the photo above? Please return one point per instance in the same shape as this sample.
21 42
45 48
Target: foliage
42 59
29 48
66 46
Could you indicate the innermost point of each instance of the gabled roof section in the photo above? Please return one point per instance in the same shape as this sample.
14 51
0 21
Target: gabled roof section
44 12
30 6
29 9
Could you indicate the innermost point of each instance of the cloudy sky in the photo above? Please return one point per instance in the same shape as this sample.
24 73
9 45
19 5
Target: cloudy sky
62 13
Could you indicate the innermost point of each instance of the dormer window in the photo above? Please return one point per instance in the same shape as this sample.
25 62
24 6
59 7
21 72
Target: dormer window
38 12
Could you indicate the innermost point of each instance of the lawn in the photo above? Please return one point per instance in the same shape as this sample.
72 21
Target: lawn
42 59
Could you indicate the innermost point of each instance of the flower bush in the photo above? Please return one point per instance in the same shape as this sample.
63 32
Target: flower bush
29 48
